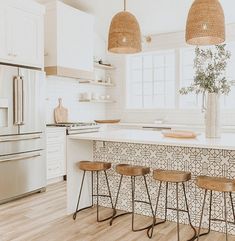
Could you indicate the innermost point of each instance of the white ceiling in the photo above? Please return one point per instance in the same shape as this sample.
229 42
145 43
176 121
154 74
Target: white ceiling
154 16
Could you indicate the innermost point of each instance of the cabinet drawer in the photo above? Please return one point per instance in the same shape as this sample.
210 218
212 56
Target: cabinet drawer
55 137
53 172
55 149
56 134
55 162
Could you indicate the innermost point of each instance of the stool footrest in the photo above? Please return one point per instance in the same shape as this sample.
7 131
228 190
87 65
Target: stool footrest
152 226
95 195
221 220
82 209
139 201
180 210
214 220
105 219
141 229
134 230
119 215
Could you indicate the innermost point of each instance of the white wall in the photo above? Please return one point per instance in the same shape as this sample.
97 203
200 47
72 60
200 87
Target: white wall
69 90
159 42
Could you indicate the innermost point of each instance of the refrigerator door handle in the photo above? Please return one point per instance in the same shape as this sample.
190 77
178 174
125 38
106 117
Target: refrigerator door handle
23 157
22 100
18 101
20 138
16 98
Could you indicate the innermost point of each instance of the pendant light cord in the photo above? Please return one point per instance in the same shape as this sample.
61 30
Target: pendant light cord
124 5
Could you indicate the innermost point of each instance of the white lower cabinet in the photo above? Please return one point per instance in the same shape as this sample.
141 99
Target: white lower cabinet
56 152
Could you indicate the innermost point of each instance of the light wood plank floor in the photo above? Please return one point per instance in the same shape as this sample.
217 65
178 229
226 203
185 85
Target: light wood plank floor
42 217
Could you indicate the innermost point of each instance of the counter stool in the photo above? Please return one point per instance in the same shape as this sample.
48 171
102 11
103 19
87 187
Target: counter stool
218 184
94 167
177 177
132 172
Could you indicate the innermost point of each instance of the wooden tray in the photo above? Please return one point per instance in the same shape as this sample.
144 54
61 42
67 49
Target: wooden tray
179 134
107 121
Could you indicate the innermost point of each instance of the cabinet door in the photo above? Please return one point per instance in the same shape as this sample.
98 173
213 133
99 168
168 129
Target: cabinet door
5 40
75 38
56 152
27 37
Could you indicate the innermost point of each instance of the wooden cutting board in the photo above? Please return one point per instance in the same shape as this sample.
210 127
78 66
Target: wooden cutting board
179 134
60 113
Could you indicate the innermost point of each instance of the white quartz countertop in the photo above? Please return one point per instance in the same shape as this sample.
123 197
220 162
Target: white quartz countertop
227 141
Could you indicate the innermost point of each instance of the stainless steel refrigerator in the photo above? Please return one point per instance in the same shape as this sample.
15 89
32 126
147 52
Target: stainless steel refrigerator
22 132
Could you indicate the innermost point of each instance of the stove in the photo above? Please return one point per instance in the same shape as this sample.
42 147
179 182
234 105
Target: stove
78 127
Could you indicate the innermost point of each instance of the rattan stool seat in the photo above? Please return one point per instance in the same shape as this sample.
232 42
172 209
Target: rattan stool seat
129 170
220 184
171 176
93 166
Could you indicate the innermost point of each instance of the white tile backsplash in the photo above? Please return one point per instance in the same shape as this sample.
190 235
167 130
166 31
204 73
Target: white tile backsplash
69 90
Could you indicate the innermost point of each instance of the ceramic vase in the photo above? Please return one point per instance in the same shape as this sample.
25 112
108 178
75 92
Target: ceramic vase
212 116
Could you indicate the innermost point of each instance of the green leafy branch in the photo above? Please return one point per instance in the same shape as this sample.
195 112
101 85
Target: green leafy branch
210 71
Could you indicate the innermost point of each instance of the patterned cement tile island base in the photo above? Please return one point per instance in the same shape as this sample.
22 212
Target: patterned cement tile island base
198 161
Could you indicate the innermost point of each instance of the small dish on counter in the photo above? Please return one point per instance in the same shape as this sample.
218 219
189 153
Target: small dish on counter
179 134
107 121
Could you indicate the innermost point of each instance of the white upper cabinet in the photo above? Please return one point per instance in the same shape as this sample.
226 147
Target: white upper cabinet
21 33
69 40
27 41
5 45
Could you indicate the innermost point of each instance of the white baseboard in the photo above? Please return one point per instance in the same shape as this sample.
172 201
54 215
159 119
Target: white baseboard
55 180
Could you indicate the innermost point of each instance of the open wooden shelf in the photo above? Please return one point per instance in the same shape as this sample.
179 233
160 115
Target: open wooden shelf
102 66
92 82
98 101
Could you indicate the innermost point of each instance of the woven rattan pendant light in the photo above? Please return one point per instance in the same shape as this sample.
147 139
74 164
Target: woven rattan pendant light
124 33
205 23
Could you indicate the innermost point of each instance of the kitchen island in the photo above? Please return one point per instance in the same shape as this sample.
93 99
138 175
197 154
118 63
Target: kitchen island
200 156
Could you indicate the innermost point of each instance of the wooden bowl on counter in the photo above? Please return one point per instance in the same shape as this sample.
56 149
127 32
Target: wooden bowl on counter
107 121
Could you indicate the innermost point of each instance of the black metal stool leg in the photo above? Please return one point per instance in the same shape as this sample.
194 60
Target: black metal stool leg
209 228
177 207
231 199
97 196
79 197
210 219
92 188
225 216
200 224
189 218
115 205
149 198
110 196
150 203
111 200
166 202
155 212
140 201
133 201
